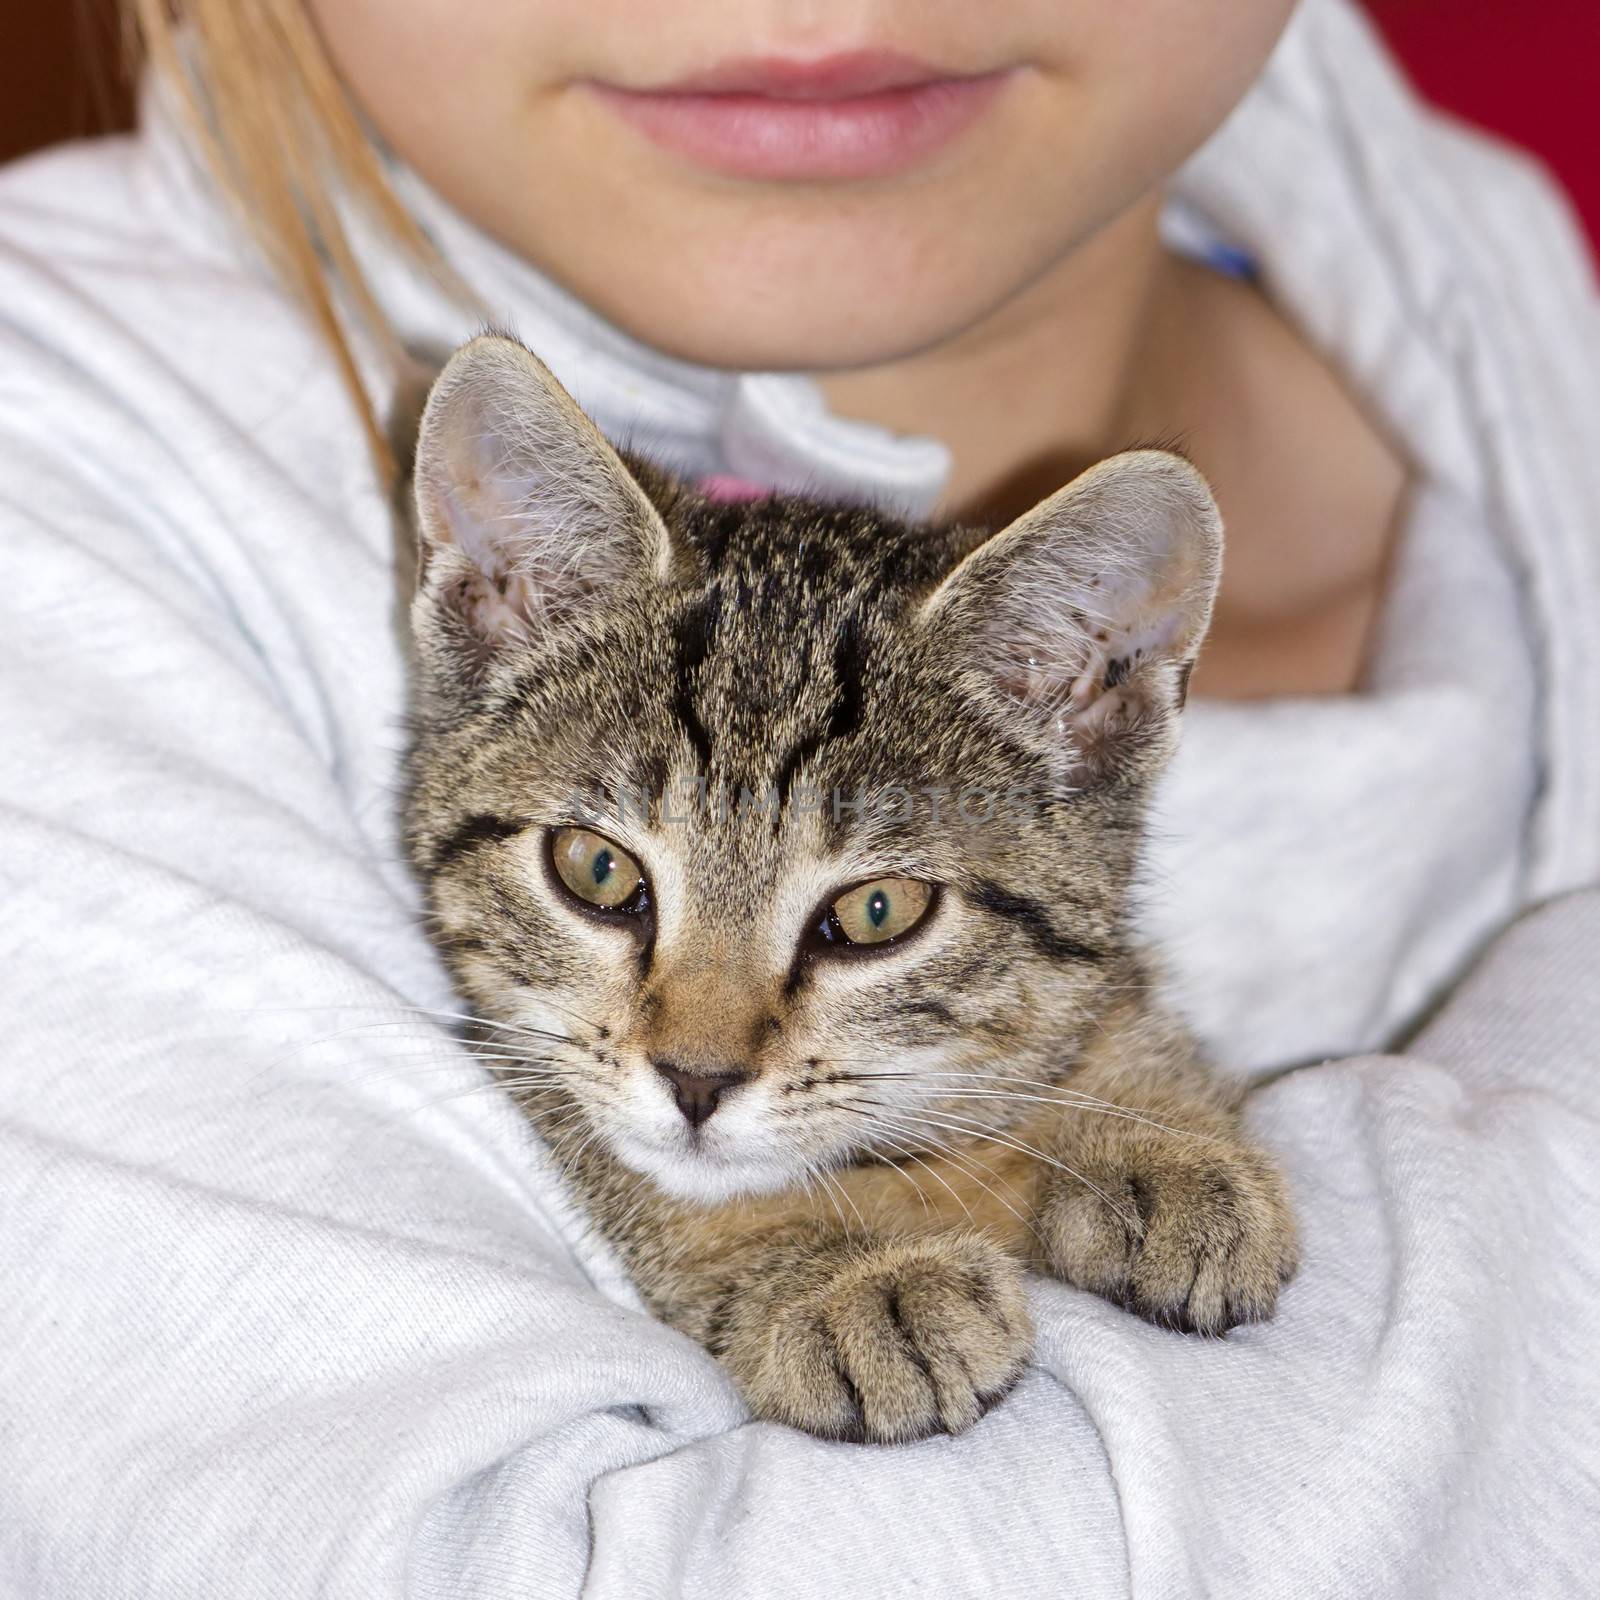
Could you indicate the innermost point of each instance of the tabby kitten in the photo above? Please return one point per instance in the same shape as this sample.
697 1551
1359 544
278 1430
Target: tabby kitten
790 848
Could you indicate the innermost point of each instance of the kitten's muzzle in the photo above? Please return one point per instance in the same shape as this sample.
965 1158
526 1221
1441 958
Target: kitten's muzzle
698 1093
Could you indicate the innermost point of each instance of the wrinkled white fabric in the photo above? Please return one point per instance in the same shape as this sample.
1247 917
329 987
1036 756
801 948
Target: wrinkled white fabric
291 1305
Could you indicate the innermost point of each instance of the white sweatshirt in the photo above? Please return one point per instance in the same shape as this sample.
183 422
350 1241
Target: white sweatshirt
292 1304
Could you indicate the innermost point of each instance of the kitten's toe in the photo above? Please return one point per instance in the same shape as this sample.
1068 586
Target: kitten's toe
902 1339
1199 1239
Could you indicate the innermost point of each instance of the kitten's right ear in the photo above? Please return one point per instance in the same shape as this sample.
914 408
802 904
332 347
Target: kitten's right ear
525 513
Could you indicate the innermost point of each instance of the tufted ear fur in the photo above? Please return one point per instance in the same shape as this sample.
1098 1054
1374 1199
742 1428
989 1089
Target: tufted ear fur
524 511
1086 614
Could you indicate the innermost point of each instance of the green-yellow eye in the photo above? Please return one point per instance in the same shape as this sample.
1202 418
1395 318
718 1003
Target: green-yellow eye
593 868
883 909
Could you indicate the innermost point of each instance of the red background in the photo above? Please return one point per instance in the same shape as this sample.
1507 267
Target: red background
1530 69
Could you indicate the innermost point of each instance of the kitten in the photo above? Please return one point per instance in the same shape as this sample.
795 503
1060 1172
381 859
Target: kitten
790 848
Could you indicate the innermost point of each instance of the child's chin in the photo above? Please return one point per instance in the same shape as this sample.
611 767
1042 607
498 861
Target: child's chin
702 1177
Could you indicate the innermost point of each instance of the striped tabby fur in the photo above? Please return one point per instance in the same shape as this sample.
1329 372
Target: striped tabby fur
911 1126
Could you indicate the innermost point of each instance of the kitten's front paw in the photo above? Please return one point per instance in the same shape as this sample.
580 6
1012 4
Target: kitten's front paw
1191 1232
890 1341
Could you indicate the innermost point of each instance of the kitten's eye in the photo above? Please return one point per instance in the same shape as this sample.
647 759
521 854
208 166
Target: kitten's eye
872 912
598 872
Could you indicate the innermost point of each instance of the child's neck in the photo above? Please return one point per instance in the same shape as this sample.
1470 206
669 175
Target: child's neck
1124 343
1038 389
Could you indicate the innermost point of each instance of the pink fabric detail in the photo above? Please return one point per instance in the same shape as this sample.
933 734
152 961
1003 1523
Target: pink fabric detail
724 488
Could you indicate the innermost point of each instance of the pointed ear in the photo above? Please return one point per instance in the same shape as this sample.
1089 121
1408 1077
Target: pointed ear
1086 614
525 513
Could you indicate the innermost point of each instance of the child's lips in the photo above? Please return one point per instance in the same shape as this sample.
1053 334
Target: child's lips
861 115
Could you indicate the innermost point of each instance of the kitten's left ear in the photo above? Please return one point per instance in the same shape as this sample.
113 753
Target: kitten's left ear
1086 614
525 512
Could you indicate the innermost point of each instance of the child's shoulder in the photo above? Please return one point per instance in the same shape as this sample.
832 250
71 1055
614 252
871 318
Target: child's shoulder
80 189
98 211
132 307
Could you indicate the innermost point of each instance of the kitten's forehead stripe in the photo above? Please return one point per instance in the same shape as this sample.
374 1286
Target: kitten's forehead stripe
695 632
844 711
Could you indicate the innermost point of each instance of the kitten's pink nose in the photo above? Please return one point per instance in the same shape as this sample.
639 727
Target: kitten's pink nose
697 1093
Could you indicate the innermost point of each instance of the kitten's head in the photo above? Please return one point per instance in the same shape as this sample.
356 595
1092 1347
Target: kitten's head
786 832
